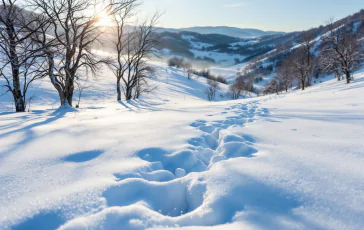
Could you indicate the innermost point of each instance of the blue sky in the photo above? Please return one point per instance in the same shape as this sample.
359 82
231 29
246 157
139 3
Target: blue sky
279 15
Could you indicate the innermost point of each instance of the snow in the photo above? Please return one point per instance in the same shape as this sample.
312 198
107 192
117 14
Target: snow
173 160
194 44
228 73
244 43
223 59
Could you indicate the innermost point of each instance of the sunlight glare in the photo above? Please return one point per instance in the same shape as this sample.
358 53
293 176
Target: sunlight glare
104 19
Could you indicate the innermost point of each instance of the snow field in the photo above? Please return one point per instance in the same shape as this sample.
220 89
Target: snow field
187 199
175 161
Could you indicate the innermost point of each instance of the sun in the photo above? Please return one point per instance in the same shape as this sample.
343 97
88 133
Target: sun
104 19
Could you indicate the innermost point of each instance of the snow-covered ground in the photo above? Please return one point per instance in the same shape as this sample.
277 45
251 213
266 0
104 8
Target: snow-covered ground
223 59
195 44
174 160
228 73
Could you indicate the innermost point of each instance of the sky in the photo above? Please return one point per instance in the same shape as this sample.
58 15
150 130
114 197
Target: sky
277 15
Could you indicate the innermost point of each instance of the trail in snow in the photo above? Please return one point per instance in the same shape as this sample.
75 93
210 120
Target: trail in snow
166 187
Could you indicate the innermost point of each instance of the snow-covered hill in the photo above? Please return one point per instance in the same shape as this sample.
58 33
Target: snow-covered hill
215 49
263 66
174 160
169 83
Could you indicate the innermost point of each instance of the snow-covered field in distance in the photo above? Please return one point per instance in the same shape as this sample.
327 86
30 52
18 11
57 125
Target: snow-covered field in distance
174 160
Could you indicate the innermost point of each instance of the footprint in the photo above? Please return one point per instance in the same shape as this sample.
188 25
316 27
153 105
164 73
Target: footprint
236 149
81 157
172 199
207 128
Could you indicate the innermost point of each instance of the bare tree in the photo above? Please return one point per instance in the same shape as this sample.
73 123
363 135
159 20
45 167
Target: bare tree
238 89
189 70
284 75
211 90
177 62
134 50
342 52
234 92
272 87
245 81
21 59
330 65
74 25
301 60
222 80
144 71
121 44
81 86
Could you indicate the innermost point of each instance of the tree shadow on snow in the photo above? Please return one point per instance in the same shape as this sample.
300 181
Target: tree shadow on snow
28 132
145 106
57 114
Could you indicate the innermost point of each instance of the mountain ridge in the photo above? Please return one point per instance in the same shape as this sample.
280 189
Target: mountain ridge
225 30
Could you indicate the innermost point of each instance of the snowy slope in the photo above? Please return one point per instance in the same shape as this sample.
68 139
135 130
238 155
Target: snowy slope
168 83
174 160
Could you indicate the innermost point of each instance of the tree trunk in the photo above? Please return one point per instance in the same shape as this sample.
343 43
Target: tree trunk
68 92
14 61
128 93
17 94
129 96
19 102
118 89
53 79
309 81
348 77
69 97
303 84
137 89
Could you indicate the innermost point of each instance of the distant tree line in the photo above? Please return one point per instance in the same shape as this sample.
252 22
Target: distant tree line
340 52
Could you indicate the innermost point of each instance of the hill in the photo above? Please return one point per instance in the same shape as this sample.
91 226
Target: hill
230 31
216 49
262 67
